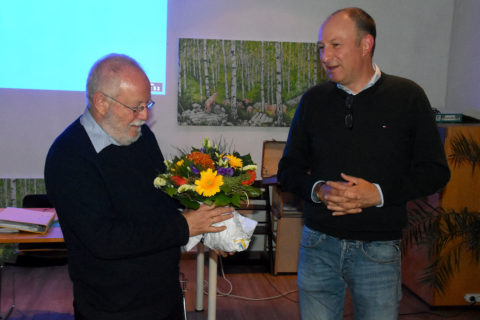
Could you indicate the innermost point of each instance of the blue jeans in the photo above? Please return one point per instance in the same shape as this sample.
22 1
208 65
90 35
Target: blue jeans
370 269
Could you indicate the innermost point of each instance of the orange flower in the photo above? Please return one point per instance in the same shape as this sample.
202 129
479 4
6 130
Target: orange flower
178 180
253 176
201 159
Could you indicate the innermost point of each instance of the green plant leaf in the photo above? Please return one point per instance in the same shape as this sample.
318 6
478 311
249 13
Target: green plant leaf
252 191
236 201
449 236
221 200
191 204
170 191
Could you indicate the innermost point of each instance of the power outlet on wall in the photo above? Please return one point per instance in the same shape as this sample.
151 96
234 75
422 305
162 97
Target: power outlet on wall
472 297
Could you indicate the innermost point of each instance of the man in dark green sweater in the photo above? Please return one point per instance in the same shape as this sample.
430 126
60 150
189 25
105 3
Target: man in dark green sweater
123 235
360 146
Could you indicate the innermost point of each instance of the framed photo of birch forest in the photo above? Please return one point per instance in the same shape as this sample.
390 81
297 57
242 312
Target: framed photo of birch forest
244 83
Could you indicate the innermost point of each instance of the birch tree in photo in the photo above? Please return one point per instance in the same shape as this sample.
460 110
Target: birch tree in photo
299 64
218 64
269 77
241 58
213 68
262 76
289 66
270 84
205 69
284 67
278 77
304 64
199 71
225 71
181 65
185 65
309 69
233 100
193 60
248 72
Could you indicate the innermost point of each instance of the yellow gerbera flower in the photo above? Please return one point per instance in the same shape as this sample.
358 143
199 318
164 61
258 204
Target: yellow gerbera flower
209 183
234 162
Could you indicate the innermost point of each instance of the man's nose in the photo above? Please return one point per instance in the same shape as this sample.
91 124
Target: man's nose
325 56
143 115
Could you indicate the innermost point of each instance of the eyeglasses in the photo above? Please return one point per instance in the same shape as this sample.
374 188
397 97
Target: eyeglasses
348 112
137 109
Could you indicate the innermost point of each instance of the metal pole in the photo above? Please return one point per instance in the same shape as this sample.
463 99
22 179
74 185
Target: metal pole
212 285
200 272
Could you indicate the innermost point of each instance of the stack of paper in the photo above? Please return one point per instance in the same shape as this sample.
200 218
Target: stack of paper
26 220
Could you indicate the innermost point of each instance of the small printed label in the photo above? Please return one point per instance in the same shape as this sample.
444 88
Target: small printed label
448 117
156 86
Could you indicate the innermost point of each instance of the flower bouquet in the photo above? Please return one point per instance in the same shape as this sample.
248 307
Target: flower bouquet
215 177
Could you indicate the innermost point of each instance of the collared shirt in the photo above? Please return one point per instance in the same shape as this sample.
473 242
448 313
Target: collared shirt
376 76
370 83
99 138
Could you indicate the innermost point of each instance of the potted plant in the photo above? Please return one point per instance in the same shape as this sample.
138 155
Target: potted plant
450 236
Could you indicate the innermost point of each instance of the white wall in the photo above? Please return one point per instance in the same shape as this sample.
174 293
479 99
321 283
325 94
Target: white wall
463 93
413 41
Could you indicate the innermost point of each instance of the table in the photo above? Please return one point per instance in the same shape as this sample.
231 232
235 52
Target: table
54 234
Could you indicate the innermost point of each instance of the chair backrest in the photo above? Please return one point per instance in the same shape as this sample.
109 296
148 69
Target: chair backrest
271 155
36 201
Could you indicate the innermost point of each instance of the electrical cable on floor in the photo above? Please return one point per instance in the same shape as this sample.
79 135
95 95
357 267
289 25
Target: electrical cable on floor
276 289
229 294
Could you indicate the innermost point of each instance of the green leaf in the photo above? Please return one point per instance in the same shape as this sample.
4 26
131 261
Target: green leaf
253 192
449 237
236 200
170 191
221 200
191 204
247 160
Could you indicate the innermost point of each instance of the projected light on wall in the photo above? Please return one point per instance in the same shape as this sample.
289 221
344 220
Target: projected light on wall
51 45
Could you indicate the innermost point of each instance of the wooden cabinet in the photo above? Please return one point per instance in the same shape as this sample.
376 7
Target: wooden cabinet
287 221
286 212
462 191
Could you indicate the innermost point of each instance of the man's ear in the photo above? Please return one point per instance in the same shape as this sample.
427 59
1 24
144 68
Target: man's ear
100 103
367 44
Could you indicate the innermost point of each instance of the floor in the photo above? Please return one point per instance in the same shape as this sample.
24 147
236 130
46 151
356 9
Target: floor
45 293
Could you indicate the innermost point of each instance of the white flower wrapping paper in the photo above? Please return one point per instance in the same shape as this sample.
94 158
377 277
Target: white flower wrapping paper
236 237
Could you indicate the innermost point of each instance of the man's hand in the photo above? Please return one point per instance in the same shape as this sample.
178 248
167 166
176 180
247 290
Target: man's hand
201 220
349 196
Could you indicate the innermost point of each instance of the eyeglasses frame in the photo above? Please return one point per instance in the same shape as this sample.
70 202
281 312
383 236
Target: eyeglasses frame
138 109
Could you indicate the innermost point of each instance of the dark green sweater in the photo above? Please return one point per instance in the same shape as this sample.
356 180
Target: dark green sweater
123 236
394 142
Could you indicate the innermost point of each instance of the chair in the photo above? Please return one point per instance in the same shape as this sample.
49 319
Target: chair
271 154
264 225
36 201
40 254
